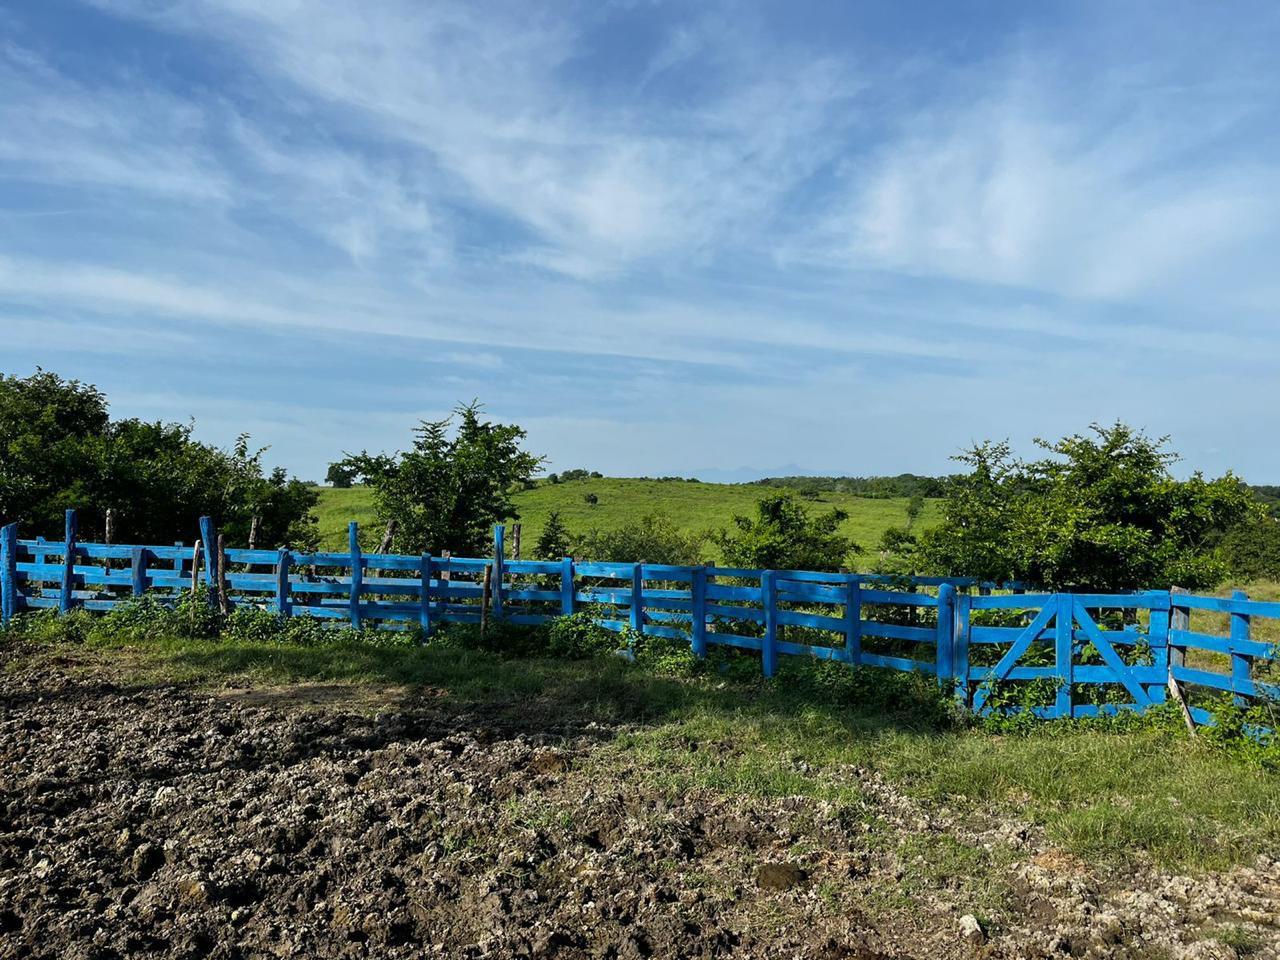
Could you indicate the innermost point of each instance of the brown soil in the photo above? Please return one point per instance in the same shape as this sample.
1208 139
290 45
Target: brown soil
299 822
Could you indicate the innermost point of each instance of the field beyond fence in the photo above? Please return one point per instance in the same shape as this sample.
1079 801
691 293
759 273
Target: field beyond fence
998 647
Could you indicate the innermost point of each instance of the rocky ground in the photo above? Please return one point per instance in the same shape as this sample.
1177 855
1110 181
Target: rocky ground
344 822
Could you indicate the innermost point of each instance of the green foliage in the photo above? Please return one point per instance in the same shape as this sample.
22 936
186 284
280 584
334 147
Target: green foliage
1251 550
832 682
1103 513
879 488
653 538
784 536
147 620
450 489
60 449
578 637
1247 731
553 542
341 475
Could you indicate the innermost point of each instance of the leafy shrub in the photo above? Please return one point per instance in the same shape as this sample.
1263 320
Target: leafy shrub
579 637
784 536
654 538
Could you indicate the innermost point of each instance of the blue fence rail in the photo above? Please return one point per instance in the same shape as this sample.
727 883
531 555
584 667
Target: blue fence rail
1081 654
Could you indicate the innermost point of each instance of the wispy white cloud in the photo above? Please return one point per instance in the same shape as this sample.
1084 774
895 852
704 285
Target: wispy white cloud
55 130
742 244
1118 199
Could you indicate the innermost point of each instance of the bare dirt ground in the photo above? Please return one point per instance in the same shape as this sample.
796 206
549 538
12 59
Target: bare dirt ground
358 821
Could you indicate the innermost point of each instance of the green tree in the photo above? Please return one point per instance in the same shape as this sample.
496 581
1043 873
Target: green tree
553 543
1251 549
448 491
341 475
653 538
60 449
784 536
1103 512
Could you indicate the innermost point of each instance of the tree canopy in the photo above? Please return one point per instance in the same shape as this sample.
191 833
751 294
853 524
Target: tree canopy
60 449
448 491
784 536
1102 512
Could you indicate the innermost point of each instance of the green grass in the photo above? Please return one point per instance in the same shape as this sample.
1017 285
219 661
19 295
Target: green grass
1112 797
692 506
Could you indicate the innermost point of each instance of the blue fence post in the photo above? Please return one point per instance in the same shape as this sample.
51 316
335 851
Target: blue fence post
209 542
357 572
637 602
1240 678
284 603
944 638
960 659
8 572
853 620
424 595
566 587
138 570
499 556
698 612
1064 653
769 598
68 563
1158 641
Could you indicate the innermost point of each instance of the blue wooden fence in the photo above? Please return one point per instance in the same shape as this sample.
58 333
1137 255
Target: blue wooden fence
1085 654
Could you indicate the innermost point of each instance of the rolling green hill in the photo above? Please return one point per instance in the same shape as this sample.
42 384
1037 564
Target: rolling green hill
692 505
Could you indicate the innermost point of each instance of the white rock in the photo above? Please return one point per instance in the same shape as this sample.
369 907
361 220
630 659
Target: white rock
971 930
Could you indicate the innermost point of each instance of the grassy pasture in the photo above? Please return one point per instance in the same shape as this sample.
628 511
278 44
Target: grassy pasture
692 506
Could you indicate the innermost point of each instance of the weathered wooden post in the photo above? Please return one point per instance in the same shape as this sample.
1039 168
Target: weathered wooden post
224 593
65 598
769 599
486 595
698 614
515 541
357 572
388 537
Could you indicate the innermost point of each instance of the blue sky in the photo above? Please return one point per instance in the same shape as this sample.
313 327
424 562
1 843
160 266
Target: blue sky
667 238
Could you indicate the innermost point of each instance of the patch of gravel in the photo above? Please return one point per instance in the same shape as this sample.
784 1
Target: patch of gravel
171 823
